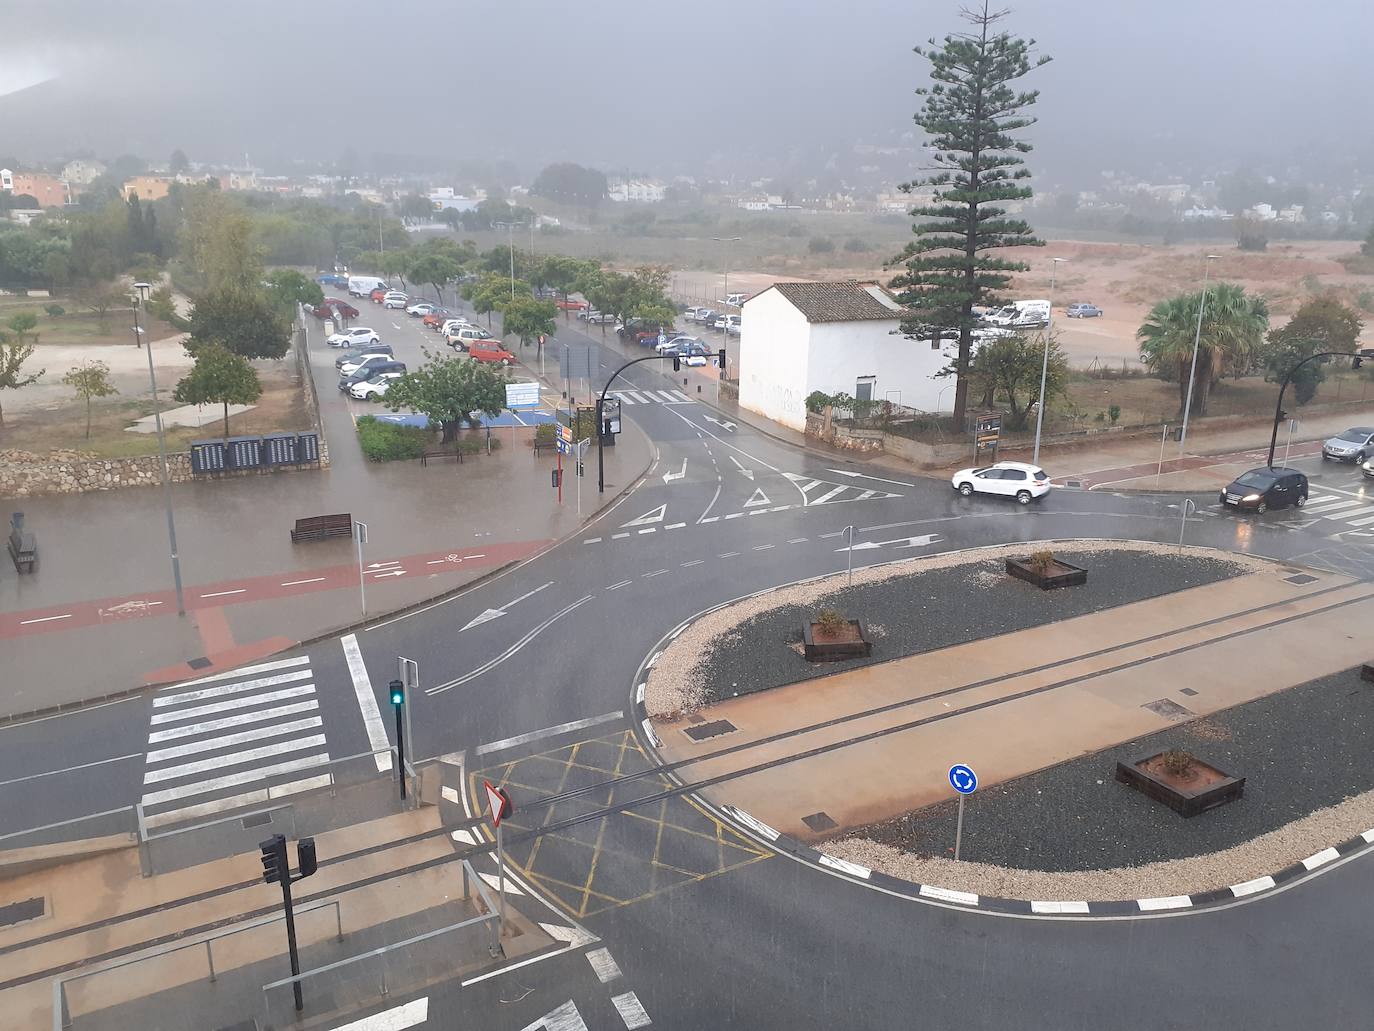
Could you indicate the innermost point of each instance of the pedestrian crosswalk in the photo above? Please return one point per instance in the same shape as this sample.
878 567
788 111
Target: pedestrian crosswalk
1356 513
232 740
650 397
825 492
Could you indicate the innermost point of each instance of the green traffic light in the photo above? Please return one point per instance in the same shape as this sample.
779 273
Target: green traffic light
398 694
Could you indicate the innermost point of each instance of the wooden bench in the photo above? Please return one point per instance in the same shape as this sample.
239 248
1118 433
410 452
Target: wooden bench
440 452
23 549
317 528
544 445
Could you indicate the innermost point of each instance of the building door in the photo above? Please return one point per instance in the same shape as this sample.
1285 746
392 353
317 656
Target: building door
863 389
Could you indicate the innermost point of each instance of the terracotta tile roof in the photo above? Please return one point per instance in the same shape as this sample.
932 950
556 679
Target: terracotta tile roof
840 302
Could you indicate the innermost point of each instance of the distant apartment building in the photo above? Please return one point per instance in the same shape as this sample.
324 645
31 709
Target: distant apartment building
1292 215
1262 213
82 171
1197 214
147 187
637 191
48 190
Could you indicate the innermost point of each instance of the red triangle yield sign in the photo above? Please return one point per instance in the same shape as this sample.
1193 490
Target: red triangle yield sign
498 803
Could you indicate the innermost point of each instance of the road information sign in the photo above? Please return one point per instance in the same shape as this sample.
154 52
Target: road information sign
499 807
987 430
564 439
963 780
522 396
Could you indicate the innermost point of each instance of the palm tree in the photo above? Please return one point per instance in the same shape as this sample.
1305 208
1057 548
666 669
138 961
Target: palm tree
1233 327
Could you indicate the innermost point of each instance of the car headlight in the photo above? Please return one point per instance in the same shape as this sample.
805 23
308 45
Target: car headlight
1250 497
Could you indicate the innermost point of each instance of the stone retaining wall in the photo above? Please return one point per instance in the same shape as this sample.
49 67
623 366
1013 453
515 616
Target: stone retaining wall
24 474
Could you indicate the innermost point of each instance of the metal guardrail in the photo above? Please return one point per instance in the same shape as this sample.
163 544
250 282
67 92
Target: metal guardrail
145 855
61 1017
132 831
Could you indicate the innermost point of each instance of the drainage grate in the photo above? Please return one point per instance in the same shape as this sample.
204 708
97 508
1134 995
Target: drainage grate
704 730
819 822
1168 709
1187 690
251 1024
1300 579
256 820
18 912
199 663
694 718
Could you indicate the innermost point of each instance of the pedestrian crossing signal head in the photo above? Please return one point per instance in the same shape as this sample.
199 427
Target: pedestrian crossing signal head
274 866
398 693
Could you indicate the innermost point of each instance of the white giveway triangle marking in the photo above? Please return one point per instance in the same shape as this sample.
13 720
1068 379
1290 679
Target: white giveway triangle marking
757 498
565 1018
654 515
670 477
901 542
494 883
485 617
576 937
398 1019
725 424
747 472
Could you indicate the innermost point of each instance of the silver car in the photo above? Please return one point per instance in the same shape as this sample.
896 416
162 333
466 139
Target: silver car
1352 445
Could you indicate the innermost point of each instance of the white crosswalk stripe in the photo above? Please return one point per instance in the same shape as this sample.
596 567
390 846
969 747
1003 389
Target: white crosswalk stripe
824 492
649 397
247 743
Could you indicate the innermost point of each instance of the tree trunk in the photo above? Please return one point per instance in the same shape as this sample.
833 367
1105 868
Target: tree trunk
226 420
2 415
88 418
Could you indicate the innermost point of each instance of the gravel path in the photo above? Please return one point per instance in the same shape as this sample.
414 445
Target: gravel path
1069 831
911 607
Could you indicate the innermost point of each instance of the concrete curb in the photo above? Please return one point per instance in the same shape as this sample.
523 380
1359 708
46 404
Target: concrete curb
741 821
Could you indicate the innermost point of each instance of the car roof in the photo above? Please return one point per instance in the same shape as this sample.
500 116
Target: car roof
1014 465
1366 430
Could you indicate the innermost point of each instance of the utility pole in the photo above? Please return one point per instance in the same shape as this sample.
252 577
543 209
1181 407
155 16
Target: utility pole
142 297
1045 362
1192 369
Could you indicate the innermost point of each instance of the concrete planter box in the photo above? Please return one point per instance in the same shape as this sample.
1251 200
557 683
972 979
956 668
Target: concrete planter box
848 644
1060 574
1206 788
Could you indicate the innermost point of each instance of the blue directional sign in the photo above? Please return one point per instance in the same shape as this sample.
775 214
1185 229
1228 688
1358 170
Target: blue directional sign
962 779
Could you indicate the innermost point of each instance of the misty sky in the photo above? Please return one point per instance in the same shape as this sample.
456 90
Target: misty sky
664 88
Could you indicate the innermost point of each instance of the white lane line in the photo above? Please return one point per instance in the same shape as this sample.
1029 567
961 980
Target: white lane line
197 711
193 729
797 540
648 529
45 619
233 759
617 536
245 671
630 1010
234 779
762 547
616 587
222 594
840 533
1361 521
367 701
536 735
257 797
728 554
656 572
72 769
710 519
603 965
694 562
494 883
297 583
230 740
675 526
493 663
734 515
163 701
398 1019
592 540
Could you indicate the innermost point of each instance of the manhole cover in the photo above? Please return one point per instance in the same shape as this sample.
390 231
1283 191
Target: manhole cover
1187 690
199 663
256 820
1301 578
704 730
18 912
819 822
1073 483
1170 710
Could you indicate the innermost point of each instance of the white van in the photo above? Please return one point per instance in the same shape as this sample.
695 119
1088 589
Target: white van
361 286
1022 315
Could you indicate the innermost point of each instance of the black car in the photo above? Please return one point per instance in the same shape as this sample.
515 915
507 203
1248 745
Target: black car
1262 489
362 352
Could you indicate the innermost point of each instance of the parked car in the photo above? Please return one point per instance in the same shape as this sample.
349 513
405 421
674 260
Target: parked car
423 308
733 324
678 343
357 336
1083 311
366 372
600 318
342 308
489 351
463 337
1368 469
1016 480
361 352
452 323
365 361
372 388
1352 445
735 300
395 299
707 316
721 322
337 279
378 295
436 317
587 314
571 305
1262 489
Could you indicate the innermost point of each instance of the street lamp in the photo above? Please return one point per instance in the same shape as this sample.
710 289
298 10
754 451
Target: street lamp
142 297
725 278
511 227
1197 339
1045 361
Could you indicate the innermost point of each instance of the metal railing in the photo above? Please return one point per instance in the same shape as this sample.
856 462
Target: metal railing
61 1016
145 839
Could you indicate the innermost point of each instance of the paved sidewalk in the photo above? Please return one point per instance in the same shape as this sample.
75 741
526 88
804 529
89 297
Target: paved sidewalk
98 616
885 735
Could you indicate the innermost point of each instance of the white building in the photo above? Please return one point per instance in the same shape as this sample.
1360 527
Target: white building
797 338
444 198
637 191
82 171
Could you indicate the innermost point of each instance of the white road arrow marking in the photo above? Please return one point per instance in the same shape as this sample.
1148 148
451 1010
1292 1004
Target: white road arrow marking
757 498
381 565
654 515
850 472
576 937
389 572
902 542
747 472
490 614
670 477
565 1018
724 424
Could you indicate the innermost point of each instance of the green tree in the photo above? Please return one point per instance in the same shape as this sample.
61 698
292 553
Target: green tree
219 377
102 298
22 323
412 205
971 114
434 269
449 390
13 355
178 162
1232 333
1321 324
90 380
1009 368
568 183
529 319
286 288
243 323
563 273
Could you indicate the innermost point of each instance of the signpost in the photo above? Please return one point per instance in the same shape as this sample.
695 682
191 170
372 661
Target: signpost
360 532
564 448
963 780
522 397
410 683
987 428
499 808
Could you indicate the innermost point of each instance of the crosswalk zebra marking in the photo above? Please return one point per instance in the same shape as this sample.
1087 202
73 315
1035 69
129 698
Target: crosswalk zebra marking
232 740
233 759
242 671
240 720
230 704
233 780
260 796
163 701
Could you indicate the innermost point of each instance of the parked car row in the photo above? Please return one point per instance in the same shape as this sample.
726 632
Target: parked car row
715 319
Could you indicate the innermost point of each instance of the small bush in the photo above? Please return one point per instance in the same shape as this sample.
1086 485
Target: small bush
1041 561
820 245
816 401
385 442
1100 417
1114 413
855 246
55 310
830 621
1176 762
544 433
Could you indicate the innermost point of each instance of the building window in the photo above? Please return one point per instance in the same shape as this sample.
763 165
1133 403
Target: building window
935 344
863 389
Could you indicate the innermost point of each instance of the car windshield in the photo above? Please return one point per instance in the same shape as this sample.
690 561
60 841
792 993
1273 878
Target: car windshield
1258 480
1354 436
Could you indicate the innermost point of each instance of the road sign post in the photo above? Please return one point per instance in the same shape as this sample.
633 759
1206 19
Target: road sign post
360 532
398 703
963 780
410 684
499 807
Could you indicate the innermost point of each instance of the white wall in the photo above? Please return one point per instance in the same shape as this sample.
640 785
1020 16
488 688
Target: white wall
904 370
773 347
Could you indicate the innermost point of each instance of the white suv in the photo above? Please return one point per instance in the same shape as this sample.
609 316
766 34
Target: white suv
1016 480
452 326
461 336
356 337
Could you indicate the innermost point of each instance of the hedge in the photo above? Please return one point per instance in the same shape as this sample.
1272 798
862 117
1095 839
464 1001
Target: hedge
387 442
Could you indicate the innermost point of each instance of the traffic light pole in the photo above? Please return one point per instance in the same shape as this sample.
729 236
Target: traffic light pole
1278 405
291 939
398 704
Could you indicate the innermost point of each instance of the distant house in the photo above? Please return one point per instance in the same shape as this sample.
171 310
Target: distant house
798 338
82 171
635 191
147 187
48 190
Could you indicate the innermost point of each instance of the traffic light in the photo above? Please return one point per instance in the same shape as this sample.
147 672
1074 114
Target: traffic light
305 857
398 693
274 864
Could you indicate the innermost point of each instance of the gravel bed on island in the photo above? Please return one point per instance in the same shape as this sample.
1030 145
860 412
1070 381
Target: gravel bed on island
1072 832
915 606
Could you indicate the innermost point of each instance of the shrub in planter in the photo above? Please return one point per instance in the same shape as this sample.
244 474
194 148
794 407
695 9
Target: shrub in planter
386 442
830 621
545 433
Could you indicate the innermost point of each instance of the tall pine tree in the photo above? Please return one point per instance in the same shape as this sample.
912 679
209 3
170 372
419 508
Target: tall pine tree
970 115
